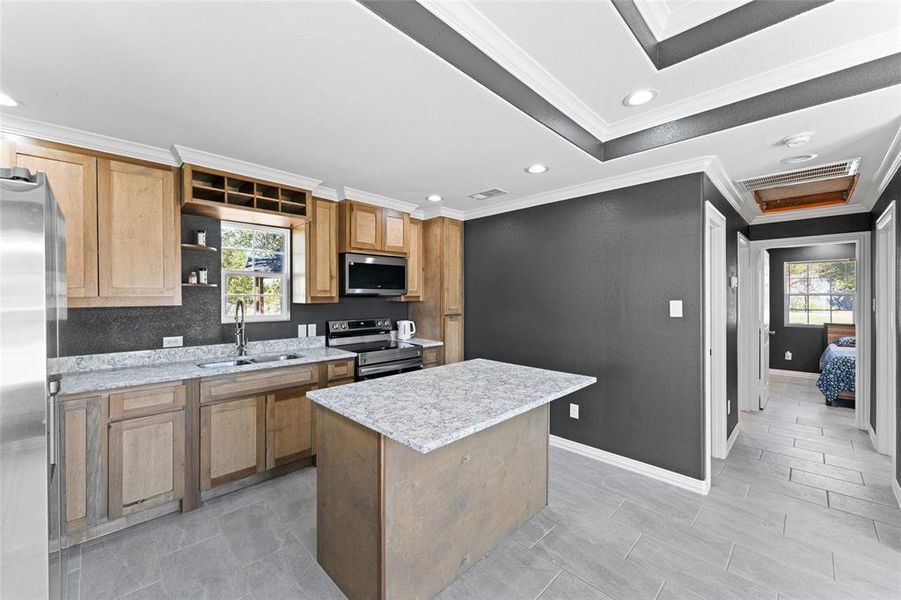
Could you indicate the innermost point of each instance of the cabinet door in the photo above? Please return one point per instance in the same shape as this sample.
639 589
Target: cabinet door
288 426
146 462
83 443
453 267
365 227
395 231
232 440
322 253
414 262
73 178
138 225
453 339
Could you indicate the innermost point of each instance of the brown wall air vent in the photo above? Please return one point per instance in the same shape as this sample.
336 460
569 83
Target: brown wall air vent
823 185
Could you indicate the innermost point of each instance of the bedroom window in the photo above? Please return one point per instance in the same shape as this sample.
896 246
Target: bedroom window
818 292
255 270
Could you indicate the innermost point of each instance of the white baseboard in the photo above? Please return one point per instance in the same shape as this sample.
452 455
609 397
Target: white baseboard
798 374
873 438
732 437
691 484
896 487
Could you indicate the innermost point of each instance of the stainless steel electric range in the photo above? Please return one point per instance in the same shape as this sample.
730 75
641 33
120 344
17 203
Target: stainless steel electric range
377 354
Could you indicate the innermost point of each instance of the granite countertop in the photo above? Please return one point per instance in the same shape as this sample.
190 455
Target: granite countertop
428 409
107 379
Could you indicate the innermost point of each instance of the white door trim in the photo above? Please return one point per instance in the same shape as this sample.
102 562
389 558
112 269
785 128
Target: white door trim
886 361
715 287
746 367
862 307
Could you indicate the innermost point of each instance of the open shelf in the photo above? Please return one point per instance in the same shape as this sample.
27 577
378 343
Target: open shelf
207 285
199 247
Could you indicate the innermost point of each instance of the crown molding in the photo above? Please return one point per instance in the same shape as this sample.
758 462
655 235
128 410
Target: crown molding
239 167
887 169
430 212
810 213
346 193
665 23
693 165
468 21
15 125
326 193
716 173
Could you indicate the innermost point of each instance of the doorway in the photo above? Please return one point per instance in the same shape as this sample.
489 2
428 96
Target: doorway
715 401
886 334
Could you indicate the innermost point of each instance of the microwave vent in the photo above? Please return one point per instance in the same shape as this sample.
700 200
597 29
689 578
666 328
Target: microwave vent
844 168
493 192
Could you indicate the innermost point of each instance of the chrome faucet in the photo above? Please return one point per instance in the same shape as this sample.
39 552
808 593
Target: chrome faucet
240 340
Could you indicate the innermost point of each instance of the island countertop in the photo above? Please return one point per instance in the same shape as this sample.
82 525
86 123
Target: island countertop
428 409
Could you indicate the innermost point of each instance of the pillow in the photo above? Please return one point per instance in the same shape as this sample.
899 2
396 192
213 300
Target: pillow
847 341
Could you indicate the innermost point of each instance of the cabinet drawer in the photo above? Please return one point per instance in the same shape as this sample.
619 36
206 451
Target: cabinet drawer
343 369
253 383
146 401
432 356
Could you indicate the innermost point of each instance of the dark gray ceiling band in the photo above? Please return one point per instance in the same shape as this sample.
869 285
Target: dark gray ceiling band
737 23
431 32
859 79
418 23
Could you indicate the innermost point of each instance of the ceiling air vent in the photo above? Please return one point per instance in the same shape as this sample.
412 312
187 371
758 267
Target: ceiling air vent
813 187
842 168
487 194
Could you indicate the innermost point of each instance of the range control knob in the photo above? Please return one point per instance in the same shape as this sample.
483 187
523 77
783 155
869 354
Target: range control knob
343 325
334 326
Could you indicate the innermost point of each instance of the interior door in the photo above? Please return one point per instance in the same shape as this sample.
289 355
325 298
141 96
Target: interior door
763 329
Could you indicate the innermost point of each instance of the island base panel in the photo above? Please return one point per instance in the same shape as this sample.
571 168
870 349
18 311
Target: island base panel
433 515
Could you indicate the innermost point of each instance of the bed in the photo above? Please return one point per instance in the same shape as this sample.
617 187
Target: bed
838 364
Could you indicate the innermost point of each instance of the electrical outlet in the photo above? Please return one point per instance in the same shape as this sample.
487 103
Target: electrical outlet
728 407
311 329
175 341
788 355
573 411
301 331
675 309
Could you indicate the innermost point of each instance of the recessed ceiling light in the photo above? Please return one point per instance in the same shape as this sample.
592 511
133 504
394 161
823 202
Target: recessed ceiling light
7 100
536 169
433 198
798 139
799 159
639 97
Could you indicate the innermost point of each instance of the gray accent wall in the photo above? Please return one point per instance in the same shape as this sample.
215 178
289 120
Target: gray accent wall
891 194
100 330
805 343
854 222
584 286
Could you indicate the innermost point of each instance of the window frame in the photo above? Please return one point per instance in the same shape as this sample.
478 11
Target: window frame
786 295
285 275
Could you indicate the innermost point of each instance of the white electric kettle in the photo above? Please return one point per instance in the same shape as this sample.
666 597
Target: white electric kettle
405 329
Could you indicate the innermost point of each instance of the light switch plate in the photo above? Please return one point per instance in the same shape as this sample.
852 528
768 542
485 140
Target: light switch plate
788 355
574 411
675 308
733 282
728 407
301 331
311 329
175 341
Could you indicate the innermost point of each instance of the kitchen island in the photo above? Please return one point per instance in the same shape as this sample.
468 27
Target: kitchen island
419 475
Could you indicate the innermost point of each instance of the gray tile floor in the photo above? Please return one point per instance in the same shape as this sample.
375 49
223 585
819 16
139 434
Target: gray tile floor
801 509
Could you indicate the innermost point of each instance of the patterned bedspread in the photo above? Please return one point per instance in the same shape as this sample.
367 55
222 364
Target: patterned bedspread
838 366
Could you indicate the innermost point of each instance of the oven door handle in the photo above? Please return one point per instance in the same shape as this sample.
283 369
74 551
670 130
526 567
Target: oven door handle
388 367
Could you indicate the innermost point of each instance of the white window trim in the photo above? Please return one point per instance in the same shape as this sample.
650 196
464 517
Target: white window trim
786 293
286 277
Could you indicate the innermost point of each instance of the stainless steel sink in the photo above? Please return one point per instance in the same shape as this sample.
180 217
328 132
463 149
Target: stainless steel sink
218 364
273 358
237 362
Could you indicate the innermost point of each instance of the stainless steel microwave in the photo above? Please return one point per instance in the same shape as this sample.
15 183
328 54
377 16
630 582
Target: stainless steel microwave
373 275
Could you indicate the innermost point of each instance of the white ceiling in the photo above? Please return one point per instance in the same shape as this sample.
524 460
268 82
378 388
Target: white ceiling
330 91
666 18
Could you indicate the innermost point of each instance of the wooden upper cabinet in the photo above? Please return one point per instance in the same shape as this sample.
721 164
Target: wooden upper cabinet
138 222
395 231
73 179
453 267
315 255
414 264
367 228
364 227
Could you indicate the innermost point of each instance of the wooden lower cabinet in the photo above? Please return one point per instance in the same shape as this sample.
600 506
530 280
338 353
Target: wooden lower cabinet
82 462
146 462
453 339
232 440
288 426
432 357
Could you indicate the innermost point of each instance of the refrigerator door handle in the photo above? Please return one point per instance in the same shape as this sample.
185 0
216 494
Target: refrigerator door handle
52 427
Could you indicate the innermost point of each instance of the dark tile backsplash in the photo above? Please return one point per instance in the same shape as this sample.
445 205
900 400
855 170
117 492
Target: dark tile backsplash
99 330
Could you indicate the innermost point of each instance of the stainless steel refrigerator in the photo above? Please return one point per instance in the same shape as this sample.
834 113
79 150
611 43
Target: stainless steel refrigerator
32 303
